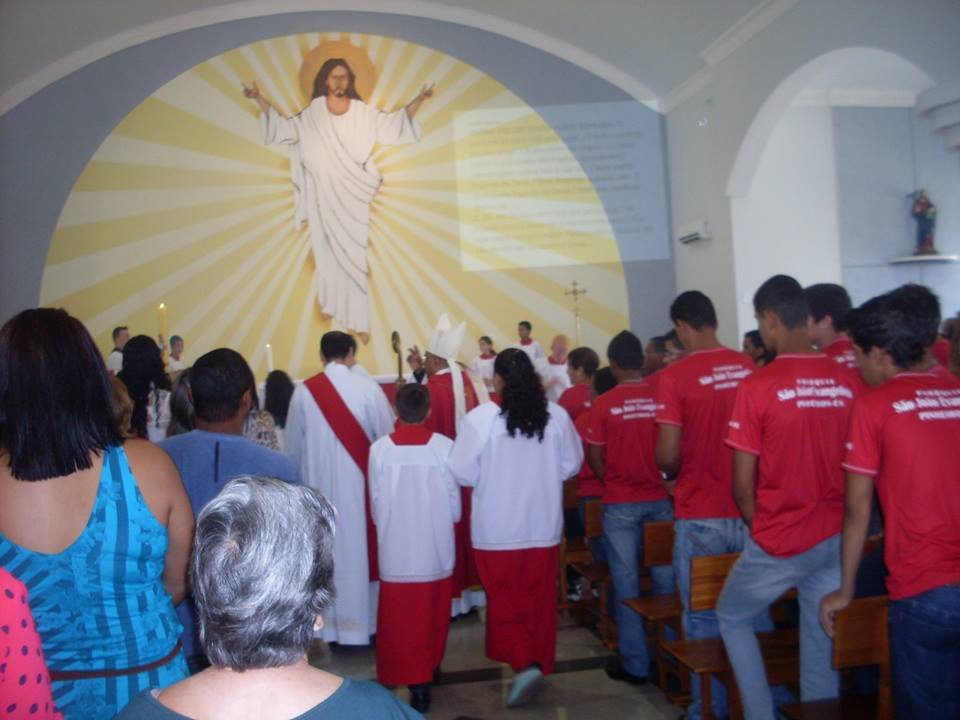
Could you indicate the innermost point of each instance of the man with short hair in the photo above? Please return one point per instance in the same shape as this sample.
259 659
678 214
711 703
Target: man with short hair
904 436
216 451
582 363
174 362
115 359
622 439
674 348
334 416
787 430
829 306
526 343
553 371
654 355
694 399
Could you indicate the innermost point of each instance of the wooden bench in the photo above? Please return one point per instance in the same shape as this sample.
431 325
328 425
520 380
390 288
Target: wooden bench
598 573
860 639
707 656
572 552
661 611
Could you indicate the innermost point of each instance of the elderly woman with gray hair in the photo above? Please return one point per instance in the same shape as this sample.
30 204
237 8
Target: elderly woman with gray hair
262 574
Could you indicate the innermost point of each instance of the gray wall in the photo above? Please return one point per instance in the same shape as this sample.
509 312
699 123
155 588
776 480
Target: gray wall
46 141
882 155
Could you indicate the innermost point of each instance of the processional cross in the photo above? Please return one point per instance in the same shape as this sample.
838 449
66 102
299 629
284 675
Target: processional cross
575 292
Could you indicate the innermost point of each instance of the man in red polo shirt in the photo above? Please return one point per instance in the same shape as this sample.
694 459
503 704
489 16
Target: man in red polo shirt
829 306
622 439
582 363
695 397
904 437
787 429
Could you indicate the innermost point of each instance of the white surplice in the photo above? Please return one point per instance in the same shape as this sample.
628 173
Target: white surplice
555 378
327 466
334 182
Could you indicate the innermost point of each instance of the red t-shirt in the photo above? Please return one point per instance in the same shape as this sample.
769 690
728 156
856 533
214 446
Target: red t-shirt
575 399
793 414
622 421
697 394
906 434
588 485
841 350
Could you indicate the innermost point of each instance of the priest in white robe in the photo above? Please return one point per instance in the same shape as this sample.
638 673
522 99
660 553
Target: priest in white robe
323 412
553 368
335 180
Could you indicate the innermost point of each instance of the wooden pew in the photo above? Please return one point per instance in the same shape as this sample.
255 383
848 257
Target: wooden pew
598 573
861 639
707 656
661 611
572 552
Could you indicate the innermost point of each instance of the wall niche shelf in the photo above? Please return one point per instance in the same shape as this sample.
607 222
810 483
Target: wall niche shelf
923 259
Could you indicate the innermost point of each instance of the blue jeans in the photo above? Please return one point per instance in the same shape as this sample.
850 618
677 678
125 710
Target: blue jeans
756 580
623 533
925 651
597 546
695 538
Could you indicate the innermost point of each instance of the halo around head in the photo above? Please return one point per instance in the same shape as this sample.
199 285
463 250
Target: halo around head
356 58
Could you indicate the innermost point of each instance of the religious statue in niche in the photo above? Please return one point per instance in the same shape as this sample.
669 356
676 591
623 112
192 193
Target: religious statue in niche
335 180
925 213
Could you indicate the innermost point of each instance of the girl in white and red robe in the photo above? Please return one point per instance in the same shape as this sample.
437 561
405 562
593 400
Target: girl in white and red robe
415 502
516 459
482 365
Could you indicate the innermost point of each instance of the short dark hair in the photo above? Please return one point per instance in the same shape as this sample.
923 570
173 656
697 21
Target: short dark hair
695 309
218 381
526 324
117 330
755 338
584 358
671 336
626 351
336 345
55 398
175 339
603 380
784 297
903 322
413 403
659 343
829 299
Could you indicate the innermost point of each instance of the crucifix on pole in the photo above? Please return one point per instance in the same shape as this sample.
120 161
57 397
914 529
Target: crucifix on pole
575 292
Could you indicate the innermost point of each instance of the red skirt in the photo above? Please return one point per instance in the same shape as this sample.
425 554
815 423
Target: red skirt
521 587
465 567
412 624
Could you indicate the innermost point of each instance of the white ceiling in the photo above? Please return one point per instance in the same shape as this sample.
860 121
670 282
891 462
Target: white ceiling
656 42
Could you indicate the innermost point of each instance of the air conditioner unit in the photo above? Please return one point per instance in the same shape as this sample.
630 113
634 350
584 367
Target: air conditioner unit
693 231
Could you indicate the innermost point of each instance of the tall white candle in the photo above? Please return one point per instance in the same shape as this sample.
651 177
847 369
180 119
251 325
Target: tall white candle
269 358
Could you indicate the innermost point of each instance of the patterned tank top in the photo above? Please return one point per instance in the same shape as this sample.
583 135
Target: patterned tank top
100 604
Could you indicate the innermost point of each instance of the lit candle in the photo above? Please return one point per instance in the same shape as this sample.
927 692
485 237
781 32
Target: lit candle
162 321
269 358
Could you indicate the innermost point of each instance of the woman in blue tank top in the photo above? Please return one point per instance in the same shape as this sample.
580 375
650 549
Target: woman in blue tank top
98 530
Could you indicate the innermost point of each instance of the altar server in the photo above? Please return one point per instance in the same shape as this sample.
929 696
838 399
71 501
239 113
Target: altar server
516 459
414 501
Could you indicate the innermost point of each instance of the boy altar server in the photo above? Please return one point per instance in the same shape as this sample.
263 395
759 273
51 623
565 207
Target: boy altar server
415 502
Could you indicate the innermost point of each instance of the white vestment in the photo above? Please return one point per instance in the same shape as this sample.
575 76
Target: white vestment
554 377
482 368
334 182
327 466
533 349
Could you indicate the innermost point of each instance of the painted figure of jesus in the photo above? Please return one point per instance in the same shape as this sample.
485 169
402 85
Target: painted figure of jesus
335 180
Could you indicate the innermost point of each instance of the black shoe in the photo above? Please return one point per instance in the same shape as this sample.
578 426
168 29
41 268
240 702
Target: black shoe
420 697
615 671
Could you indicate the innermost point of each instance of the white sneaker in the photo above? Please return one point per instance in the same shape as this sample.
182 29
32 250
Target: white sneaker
525 685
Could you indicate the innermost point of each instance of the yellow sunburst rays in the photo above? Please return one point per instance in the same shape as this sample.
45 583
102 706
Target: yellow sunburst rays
183 204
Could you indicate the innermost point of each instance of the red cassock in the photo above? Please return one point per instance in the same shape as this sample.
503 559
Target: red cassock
442 420
412 624
521 587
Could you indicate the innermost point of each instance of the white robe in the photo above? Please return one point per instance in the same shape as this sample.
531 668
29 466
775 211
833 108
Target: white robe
335 181
482 368
327 466
534 351
558 374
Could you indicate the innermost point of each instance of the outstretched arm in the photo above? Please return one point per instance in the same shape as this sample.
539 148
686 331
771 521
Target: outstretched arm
414 105
253 92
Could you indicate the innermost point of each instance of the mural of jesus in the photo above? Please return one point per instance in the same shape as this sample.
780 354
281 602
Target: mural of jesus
335 180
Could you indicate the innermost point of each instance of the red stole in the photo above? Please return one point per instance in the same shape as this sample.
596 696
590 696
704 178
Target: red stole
354 440
442 418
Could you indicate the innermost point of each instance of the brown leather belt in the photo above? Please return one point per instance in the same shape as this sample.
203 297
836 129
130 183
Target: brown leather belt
114 672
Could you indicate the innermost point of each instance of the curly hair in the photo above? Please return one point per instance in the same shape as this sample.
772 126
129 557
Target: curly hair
523 401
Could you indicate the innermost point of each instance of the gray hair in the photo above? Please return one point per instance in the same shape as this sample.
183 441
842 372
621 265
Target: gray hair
262 570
